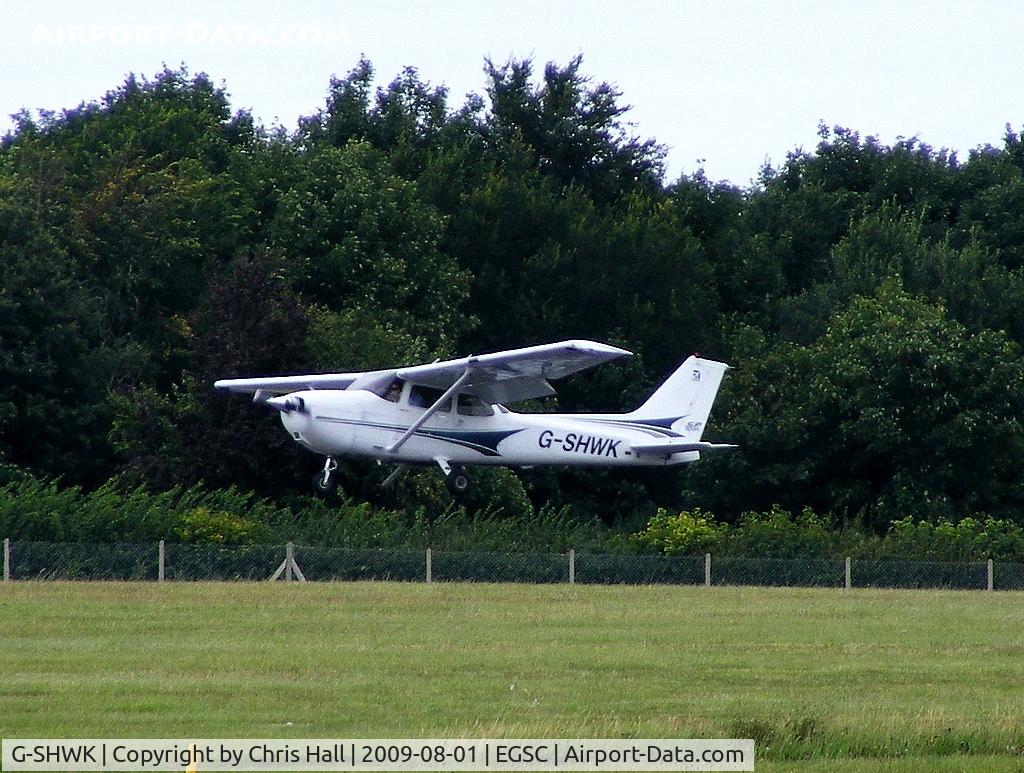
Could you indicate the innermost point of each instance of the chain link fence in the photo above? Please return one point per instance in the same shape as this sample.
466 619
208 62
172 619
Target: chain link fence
81 561
798 572
24 560
597 568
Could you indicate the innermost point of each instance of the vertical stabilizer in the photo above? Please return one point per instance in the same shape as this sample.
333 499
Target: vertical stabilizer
685 397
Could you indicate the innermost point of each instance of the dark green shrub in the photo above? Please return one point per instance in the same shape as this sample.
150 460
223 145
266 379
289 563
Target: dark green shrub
686 533
969 539
777 534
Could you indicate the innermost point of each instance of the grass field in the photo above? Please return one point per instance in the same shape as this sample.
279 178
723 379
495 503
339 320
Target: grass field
822 679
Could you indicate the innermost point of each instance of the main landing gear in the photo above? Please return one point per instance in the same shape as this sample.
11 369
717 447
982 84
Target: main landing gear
326 480
455 477
457 481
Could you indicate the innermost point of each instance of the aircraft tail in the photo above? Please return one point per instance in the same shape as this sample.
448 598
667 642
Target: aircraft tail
683 402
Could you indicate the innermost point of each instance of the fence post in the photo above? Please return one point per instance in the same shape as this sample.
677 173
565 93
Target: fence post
849 579
7 559
990 574
289 558
160 564
572 566
707 570
430 567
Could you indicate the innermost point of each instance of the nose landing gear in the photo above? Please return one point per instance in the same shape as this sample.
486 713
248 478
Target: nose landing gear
326 480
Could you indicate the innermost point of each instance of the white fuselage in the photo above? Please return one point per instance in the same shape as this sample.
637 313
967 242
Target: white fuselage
360 423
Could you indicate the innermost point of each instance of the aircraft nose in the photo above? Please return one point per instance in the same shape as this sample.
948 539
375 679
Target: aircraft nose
298 424
293 410
287 404
288 419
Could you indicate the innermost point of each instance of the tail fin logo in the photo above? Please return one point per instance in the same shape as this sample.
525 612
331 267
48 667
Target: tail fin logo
696 375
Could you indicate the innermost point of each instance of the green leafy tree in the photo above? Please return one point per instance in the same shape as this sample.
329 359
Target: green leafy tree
55 360
250 324
574 129
896 410
353 237
991 189
891 244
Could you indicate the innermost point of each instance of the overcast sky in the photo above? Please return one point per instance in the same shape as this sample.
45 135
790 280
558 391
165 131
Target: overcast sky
725 85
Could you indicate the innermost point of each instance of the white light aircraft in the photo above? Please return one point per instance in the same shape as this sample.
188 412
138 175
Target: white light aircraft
451 414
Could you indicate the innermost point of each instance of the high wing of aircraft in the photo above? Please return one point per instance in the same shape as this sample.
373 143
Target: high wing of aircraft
452 414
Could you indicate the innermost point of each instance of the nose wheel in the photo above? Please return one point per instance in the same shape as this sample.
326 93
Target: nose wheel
326 480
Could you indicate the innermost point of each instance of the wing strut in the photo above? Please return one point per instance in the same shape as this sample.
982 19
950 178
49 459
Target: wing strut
431 410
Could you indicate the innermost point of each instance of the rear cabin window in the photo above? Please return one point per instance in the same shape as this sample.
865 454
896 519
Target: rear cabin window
474 406
424 397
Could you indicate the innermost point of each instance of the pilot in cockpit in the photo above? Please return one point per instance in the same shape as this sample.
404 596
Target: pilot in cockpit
394 391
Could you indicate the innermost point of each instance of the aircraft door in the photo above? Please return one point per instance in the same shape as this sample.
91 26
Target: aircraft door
470 410
421 398
382 418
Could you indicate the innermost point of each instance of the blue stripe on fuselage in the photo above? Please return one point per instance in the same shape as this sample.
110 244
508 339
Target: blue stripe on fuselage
658 427
484 441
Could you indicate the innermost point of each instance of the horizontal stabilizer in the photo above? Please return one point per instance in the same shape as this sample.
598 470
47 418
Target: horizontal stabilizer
673 446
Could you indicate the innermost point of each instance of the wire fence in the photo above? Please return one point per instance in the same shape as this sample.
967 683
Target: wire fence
159 562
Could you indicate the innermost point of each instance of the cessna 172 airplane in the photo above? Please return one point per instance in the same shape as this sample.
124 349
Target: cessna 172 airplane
451 414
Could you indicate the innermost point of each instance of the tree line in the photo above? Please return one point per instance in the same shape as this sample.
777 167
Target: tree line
870 296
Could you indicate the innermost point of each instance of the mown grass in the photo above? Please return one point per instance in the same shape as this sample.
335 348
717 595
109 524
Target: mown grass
892 680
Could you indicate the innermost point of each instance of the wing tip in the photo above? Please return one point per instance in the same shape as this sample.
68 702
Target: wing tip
597 347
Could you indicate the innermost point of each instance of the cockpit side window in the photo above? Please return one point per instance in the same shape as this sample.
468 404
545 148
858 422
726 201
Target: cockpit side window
424 397
474 406
394 391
